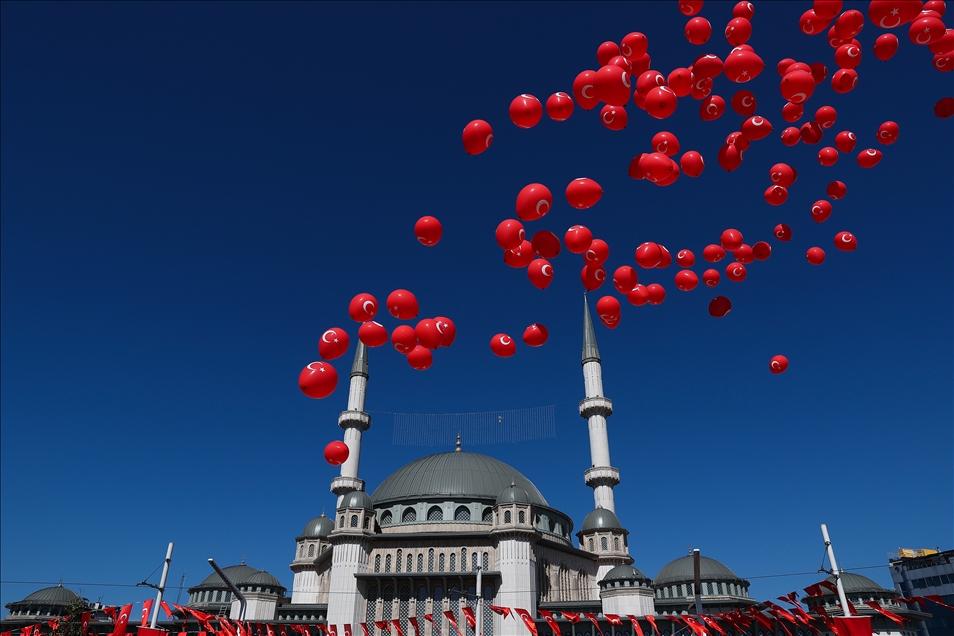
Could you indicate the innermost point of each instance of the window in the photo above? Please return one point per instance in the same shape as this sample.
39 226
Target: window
473 561
463 559
435 514
564 583
488 616
420 562
421 602
584 584
354 521
409 515
488 515
301 550
462 513
486 561
438 606
311 550
218 596
430 560
377 562
400 559
709 589
386 518
603 544
543 586
341 521
404 607
440 563
521 517
388 598
591 545
370 613
507 517
453 562
616 543
387 564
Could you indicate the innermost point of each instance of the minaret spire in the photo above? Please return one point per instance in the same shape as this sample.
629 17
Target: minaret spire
601 476
354 421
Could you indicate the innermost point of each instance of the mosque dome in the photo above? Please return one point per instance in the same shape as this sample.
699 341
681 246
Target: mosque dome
601 519
453 475
356 499
236 573
264 579
319 527
513 494
681 571
623 572
49 601
57 595
856 584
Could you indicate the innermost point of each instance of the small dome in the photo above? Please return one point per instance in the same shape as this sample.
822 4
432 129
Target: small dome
513 494
855 583
681 570
356 499
264 578
57 595
236 573
319 527
601 519
624 572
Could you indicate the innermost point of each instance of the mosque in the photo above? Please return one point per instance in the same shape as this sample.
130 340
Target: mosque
450 535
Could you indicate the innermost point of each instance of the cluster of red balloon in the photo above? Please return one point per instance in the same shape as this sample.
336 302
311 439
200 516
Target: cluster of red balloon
504 346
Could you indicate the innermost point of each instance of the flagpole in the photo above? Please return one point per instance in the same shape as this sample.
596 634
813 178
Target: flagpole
162 586
697 578
834 571
480 605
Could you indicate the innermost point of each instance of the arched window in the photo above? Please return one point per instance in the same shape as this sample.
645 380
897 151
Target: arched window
544 583
488 515
603 543
354 521
409 515
430 560
521 517
462 513
486 561
301 550
709 589
453 562
341 521
473 561
616 543
463 559
565 592
367 524
584 583
507 517
386 518
591 545
440 562
218 596
421 602
420 562
377 562
387 563
311 550
435 514
400 560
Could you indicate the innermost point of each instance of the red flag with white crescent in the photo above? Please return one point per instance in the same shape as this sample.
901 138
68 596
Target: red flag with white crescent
826 619
332 630
614 619
165 608
26 631
914 599
364 629
696 628
573 617
593 620
413 621
711 622
851 626
450 618
500 611
430 619
347 630
527 619
652 621
282 630
397 627
122 620
84 620
110 612
552 622
890 615
636 627
384 626
146 608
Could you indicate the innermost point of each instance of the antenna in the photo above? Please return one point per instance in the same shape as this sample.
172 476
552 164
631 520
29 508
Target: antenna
181 585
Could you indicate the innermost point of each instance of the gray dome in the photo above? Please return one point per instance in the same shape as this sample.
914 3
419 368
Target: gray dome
318 527
855 583
513 494
454 475
236 573
263 578
58 595
356 499
681 571
624 572
601 519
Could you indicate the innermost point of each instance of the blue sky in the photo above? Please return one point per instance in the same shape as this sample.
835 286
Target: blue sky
192 193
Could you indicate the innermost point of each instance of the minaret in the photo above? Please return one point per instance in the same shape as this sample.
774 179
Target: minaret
354 421
601 476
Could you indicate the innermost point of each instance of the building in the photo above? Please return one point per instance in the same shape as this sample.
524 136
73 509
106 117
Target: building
923 573
262 591
858 590
43 605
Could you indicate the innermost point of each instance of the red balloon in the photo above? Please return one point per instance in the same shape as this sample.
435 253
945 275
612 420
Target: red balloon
503 345
578 239
526 111
836 190
821 210
827 9
363 307
849 24
596 253
735 272
869 158
714 253
755 128
888 133
686 280
782 174
938 6
428 230
420 358
711 277
584 91
606 52
834 41
690 7
744 254
783 65
730 240
719 306
535 335
672 175
738 140
844 80
608 309
404 339
827 156
826 116
648 255
661 102
593 276
666 143
845 141
778 364
333 343
811 133
614 117
729 157
648 81
815 255
559 106
680 81
742 65
846 241
665 260
926 30
711 108
743 102
428 333
612 85
944 107
701 88
533 202
791 136
656 166
318 380
540 273
819 72
761 251
655 294
477 137
698 30
639 296
336 453
634 170
510 234
402 304
886 46
738 31
634 45
888 14
848 56
625 279
520 256
545 244
811 24
583 193
945 44
641 64
448 330
776 195
743 10
692 164
685 258
792 112
783 233
942 62
797 86
372 334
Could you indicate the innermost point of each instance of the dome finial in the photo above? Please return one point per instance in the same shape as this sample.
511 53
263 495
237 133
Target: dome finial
513 482
457 450
243 559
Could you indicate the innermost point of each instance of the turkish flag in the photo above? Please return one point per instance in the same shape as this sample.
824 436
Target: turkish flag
122 620
853 626
282 630
397 627
84 619
548 617
146 608
26 631
826 619
430 619
332 630
364 628
890 615
110 612
832 587
696 628
614 619
413 621
165 608
383 626
450 618
527 619
914 599
268 630
471 619
500 611
652 621
636 626
593 620
711 622
814 590
573 617
791 597
347 630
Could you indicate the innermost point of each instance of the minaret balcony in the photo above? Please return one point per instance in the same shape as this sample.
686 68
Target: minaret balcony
596 406
601 476
354 419
343 485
